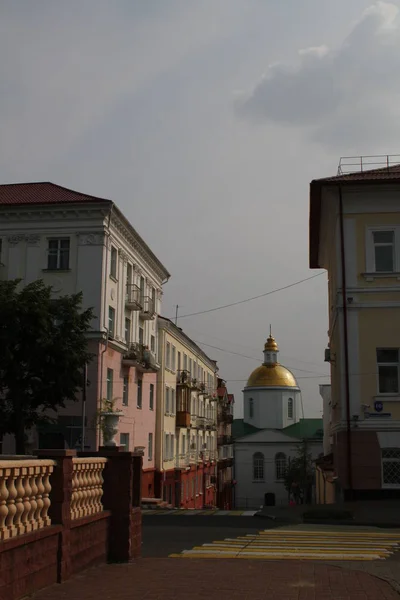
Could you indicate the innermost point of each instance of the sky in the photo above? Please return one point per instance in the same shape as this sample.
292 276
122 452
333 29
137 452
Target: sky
205 121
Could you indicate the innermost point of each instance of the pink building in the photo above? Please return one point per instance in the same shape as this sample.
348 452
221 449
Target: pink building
76 242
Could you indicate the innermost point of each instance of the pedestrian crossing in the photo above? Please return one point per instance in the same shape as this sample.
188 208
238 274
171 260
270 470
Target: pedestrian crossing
301 544
200 513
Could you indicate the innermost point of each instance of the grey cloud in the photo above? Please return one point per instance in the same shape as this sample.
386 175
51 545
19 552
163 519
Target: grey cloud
348 96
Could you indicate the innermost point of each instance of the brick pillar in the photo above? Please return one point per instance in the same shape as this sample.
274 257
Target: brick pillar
137 478
60 507
118 498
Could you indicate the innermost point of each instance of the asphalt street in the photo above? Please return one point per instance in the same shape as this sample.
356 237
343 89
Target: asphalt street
165 535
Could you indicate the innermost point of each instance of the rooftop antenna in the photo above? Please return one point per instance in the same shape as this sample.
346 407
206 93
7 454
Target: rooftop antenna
176 315
270 331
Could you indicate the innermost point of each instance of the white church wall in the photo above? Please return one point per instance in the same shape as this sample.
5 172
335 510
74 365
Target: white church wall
270 407
250 493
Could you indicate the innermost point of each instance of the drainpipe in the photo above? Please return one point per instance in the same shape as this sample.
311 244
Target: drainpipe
346 348
104 317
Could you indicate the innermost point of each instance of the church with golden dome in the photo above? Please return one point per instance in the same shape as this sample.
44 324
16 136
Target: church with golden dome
270 432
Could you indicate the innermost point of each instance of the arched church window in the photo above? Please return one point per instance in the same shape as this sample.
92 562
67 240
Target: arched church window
290 408
251 408
280 465
258 466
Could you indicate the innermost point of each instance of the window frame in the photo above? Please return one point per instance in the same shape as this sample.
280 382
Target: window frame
151 396
128 330
290 408
173 358
125 390
394 486
139 393
280 466
370 250
113 262
150 446
58 253
258 467
168 355
111 321
388 364
251 408
126 446
110 383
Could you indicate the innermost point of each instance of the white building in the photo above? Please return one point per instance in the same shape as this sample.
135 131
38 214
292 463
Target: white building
270 432
79 243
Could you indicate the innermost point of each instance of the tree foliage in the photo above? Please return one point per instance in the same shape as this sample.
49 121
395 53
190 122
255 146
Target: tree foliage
300 471
43 350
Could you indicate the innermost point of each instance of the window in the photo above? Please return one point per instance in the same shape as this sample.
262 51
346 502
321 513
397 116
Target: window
280 465
142 289
111 321
172 401
125 391
124 440
179 362
151 397
58 254
152 343
391 467
290 408
251 408
384 251
173 361
185 362
183 444
129 275
110 381
258 466
388 370
168 356
113 262
141 335
167 401
150 447
127 331
139 393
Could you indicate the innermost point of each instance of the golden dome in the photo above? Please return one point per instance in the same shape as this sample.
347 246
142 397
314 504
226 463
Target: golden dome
271 345
272 375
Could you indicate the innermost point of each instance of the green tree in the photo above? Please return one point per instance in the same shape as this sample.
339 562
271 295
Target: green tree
43 350
299 475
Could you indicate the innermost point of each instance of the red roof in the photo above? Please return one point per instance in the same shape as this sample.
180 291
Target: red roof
381 174
43 192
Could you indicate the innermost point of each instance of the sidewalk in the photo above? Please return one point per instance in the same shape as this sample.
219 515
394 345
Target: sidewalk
174 579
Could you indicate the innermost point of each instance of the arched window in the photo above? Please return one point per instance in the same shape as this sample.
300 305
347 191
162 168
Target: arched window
280 465
290 408
251 408
258 466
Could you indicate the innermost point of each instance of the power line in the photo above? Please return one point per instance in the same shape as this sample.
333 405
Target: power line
202 312
249 357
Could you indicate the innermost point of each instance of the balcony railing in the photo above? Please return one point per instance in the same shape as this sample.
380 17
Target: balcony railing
210 423
200 422
139 356
87 486
133 297
148 310
183 378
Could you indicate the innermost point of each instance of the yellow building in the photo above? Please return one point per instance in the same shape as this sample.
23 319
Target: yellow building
355 236
186 421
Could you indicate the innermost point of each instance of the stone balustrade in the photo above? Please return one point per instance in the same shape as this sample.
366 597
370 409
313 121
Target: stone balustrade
87 486
24 496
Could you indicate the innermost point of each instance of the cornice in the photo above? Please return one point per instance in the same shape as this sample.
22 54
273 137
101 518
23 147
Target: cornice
41 212
129 234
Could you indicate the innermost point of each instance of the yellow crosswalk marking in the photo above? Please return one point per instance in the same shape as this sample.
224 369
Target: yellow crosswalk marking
301 544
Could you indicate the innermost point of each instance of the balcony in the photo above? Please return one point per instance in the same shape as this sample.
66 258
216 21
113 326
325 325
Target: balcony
148 309
183 378
183 418
182 461
210 424
139 356
200 422
133 297
202 388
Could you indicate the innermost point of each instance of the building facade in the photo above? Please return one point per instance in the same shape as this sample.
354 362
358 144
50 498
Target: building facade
79 243
355 236
270 433
225 447
186 427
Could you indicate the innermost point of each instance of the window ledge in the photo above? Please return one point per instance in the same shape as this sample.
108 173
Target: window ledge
56 270
387 397
114 278
139 407
381 275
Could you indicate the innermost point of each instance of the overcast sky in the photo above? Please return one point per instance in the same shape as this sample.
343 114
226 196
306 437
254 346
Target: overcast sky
205 121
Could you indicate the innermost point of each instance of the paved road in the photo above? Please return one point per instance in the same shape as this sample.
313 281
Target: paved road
165 535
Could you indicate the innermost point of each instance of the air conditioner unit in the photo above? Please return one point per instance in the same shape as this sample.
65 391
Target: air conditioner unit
327 355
